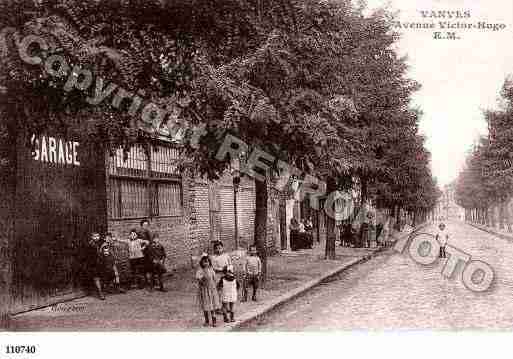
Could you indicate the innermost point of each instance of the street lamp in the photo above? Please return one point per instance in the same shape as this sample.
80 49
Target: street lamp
236 183
236 173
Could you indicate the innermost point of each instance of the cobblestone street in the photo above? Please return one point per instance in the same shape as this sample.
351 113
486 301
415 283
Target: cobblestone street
393 292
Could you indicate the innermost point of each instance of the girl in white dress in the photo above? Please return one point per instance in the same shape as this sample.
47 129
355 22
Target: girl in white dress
228 286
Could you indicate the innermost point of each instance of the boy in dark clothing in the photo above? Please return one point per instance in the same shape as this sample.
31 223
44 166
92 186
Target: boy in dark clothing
156 255
108 270
144 230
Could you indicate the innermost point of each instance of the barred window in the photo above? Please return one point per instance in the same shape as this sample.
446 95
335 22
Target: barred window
145 186
164 162
167 198
134 163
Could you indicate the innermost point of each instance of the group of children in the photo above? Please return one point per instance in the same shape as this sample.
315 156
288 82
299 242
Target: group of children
146 256
146 259
218 286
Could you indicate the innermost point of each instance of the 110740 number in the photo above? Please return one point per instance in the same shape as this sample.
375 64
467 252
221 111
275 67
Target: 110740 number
20 349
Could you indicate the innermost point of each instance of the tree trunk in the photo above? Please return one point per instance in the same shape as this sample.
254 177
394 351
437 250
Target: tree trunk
330 249
501 214
507 215
398 218
330 238
261 223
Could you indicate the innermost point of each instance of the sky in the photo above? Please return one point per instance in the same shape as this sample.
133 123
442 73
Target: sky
459 78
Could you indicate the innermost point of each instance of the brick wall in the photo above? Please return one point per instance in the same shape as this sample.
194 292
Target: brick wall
190 234
199 239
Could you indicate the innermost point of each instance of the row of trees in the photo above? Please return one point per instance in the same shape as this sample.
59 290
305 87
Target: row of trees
316 84
487 178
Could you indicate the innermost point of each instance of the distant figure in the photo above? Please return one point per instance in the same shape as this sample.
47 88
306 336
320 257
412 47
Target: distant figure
294 233
442 238
309 229
379 229
346 233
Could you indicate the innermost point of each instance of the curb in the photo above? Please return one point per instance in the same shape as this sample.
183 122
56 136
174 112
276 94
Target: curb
287 297
490 231
284 298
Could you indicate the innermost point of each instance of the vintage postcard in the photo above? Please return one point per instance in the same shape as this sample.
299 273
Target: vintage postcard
254 166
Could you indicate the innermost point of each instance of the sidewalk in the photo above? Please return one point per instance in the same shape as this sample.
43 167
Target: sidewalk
289 274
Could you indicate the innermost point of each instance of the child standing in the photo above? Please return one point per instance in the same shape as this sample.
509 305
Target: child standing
109 270
207 291
228 287
252 270
136 246
220 260
156 257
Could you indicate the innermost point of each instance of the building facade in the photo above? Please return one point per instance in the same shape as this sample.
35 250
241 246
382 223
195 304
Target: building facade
66 189
447 207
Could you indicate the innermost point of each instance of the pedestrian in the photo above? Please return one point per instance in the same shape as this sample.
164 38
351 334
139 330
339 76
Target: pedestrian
252 272
442 237
136 246
309 231
364 234
379 230
108 270
156 258
346 235
207 292
228 287
302 236
294 234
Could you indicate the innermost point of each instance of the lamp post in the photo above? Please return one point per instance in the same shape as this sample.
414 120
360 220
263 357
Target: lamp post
236 174
236 183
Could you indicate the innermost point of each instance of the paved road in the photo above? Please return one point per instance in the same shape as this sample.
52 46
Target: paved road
393 292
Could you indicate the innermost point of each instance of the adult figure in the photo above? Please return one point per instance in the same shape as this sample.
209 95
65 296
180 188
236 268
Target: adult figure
364 232
309 231
379 230
346 235
294 233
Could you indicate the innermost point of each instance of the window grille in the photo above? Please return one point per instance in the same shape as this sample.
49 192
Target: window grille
145 186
